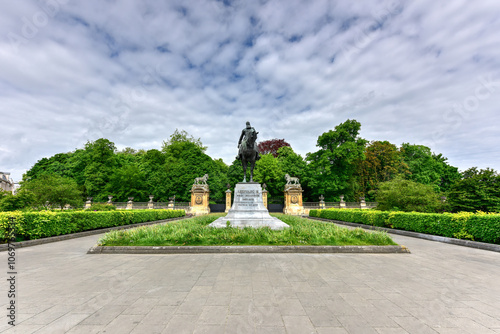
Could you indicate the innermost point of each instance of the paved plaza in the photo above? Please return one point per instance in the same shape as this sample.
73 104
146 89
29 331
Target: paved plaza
438 288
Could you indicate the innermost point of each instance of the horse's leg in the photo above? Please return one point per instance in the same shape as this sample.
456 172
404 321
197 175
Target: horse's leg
252 165
244 164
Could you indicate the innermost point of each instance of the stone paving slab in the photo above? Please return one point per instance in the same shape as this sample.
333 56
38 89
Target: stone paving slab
438 288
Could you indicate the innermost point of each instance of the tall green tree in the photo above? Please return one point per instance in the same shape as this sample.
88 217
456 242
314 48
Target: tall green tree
185 159
268 171
331 168
294 164
128 181
477 190
383 161
54 191
428 168
100 168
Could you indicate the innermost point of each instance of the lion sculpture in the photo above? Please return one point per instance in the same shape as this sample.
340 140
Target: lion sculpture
201 180
291 179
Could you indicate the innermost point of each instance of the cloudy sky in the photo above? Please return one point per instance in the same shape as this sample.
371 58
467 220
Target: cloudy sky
423 72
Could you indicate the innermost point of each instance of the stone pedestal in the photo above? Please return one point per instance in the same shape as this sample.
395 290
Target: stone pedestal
151 205
362 203
293 200
342 203
248 210
321 202
200 195
88 204
228 200
130 203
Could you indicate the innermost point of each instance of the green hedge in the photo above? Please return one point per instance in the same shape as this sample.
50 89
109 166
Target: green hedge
484 227
42 224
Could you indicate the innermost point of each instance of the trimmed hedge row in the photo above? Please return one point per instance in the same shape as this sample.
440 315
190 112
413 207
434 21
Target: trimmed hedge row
479 226
36 225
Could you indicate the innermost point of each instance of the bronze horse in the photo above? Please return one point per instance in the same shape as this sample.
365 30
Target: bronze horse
248 154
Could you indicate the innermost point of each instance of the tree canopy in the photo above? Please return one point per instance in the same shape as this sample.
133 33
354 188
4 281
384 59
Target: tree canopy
344 164
477 189
331 168
272 146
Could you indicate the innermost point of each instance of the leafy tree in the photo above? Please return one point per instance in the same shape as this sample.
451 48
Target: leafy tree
293 164
54 190
21 200
178 138
235 173
184 161
428 168
406 195
331 168
272 146
268 171
383 161
128 181
152 164
97 173
478 189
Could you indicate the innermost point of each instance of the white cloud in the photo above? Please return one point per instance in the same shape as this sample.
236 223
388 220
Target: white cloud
134 71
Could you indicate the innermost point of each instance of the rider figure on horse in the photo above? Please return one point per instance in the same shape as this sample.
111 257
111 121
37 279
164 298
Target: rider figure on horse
242 143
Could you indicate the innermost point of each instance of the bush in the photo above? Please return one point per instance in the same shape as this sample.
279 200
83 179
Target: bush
405 195
465 225
36 225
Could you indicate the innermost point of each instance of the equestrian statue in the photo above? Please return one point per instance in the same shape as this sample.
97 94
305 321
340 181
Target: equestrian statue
247 150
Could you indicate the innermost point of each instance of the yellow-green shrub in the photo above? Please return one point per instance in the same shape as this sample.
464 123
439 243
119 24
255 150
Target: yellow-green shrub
35 225
464 225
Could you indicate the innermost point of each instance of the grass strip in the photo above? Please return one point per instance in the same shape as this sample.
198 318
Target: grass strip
195 232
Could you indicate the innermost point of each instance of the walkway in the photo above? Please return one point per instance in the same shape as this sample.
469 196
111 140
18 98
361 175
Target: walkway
438 288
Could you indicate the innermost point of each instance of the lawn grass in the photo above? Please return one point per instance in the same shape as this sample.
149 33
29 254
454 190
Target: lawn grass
194 232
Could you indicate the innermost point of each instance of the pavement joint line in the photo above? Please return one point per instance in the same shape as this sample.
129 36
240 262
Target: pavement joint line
431 237
398 249
35 242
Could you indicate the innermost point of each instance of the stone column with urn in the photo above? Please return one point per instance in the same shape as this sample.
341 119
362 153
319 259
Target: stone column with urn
88 204
342 203
130 203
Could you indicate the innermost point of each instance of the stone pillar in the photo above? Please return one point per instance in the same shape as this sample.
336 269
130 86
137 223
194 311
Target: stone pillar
110 200
171 203
321 202
342 203
228 200
200 195
151 205
362 203
293 200
88 203
130 203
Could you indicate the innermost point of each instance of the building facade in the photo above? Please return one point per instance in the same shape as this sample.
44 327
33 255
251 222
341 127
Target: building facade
6 183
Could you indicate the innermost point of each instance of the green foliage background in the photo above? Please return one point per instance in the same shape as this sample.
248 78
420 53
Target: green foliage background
344 164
